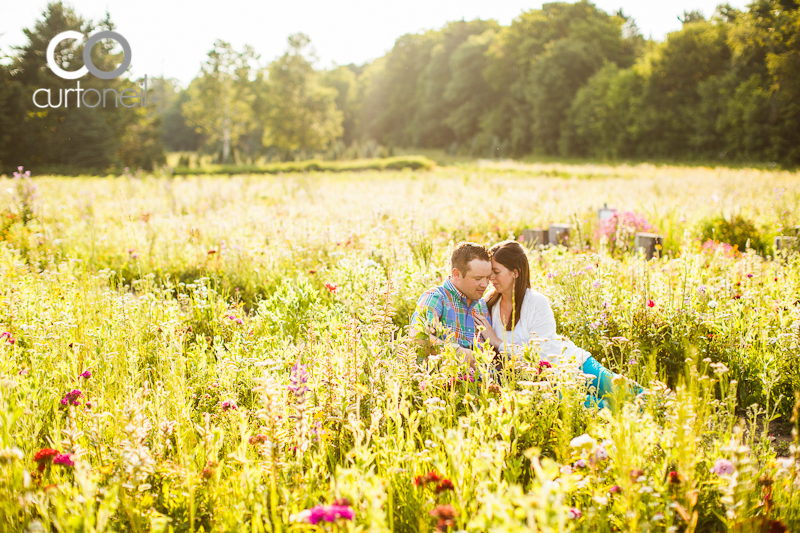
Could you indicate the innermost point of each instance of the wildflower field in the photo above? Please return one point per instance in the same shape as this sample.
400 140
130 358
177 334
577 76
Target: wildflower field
214 353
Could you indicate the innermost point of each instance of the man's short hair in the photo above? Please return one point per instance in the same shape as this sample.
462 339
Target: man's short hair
466 252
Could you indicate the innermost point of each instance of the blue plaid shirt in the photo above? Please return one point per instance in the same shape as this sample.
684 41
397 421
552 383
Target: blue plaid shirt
449 306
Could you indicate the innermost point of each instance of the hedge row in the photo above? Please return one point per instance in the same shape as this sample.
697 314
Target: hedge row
389 163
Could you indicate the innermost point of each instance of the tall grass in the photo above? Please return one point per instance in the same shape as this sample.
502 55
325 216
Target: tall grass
241 353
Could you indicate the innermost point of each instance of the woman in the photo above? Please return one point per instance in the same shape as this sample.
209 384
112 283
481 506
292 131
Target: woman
519 314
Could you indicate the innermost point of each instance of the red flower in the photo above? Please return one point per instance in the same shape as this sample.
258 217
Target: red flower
331 287
543 365
444 485
430 477
674 478
651 303
44 456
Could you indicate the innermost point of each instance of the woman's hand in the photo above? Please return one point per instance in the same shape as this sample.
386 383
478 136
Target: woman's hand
487 333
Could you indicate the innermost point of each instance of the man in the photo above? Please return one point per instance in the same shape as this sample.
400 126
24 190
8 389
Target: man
454 303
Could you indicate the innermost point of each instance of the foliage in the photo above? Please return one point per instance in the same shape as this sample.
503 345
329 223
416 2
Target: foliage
301 113
736 231
229 353
389 163
220 99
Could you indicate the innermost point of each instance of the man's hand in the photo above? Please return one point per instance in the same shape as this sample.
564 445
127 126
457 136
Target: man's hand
486 331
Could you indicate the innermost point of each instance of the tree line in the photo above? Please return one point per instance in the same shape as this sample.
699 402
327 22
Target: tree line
565 80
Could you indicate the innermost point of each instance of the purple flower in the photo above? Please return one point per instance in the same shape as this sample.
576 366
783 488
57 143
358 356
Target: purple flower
723 467
580 463
63 459
86 374
298 380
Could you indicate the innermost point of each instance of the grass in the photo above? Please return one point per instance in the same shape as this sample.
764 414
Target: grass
192 300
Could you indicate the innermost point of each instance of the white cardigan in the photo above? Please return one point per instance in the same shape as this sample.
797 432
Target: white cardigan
537 321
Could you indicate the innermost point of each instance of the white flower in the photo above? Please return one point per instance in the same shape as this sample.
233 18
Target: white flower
584 441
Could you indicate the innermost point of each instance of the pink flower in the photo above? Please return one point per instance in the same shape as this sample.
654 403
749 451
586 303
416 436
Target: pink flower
86 374
64 459
71 397
723 467
573 513
9 338
330 513
229 405
620 228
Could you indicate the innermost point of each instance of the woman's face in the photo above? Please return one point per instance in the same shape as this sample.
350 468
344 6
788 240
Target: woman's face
502 278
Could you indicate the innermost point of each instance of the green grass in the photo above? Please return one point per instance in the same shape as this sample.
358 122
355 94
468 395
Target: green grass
190 300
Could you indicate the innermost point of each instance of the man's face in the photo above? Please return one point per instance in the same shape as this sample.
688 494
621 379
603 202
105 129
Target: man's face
474 281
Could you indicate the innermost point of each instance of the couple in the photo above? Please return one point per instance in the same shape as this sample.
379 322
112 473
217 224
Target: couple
512 315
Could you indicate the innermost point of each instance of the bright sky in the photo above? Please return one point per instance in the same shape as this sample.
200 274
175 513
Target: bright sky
172 37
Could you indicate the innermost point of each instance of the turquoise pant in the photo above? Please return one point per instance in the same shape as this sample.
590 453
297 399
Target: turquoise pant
602 384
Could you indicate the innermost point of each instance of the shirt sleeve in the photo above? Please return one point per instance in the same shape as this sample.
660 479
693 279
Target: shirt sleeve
540 319
429 310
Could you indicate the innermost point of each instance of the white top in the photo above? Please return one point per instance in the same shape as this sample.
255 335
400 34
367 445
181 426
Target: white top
537 321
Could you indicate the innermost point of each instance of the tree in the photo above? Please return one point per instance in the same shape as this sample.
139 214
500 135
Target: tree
221 97
349 99
301 112
470 97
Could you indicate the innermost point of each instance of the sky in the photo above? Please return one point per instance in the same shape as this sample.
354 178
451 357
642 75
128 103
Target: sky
172 37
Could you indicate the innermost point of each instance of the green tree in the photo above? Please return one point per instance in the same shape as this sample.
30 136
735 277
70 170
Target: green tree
349 98
301 112
432 107
472 100
220 103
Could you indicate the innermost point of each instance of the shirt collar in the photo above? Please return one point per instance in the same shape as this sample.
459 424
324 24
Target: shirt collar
453 290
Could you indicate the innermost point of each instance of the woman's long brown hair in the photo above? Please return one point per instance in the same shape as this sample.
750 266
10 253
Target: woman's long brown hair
511 255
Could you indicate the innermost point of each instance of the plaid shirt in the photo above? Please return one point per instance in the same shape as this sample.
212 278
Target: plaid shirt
448 305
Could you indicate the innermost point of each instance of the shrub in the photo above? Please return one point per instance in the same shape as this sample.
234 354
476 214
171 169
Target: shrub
737 232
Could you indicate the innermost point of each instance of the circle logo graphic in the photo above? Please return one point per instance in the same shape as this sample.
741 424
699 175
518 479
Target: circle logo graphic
87 55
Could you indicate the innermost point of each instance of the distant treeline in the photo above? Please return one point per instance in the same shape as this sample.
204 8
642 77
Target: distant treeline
564 80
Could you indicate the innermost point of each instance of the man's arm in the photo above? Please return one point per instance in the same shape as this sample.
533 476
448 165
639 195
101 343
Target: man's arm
426 326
